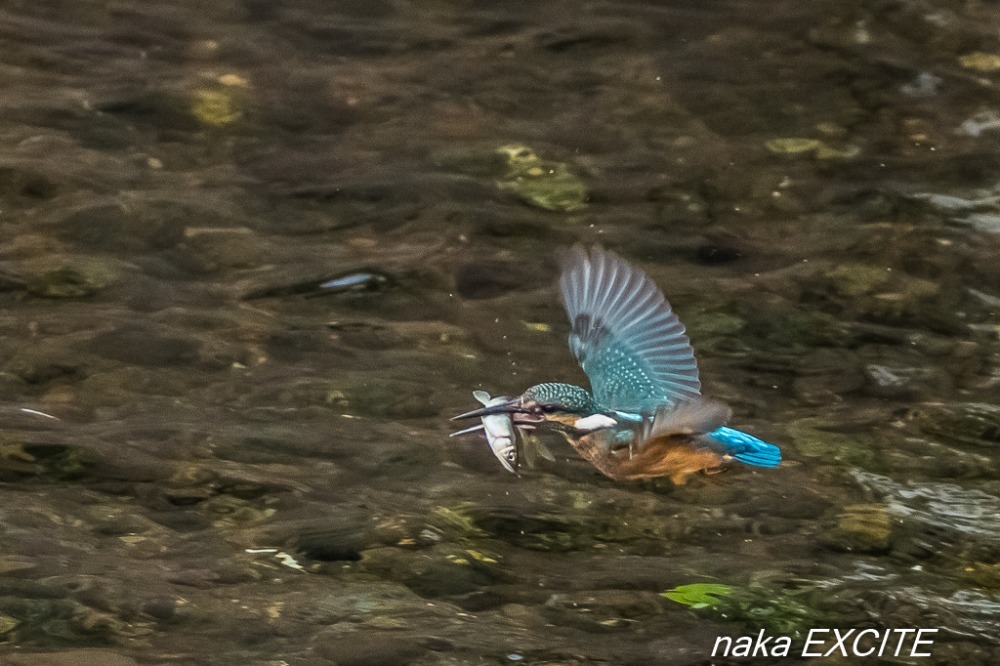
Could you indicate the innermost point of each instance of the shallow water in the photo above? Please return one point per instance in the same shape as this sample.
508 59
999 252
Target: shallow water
256 253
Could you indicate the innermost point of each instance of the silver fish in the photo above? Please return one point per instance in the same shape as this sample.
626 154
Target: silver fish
499 430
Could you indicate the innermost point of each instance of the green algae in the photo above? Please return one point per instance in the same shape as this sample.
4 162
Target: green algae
699 595
758 605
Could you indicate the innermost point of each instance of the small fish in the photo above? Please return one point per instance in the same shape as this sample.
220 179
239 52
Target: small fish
499 430
359 281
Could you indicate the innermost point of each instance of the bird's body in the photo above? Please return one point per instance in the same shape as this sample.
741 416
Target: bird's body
672 443
644 416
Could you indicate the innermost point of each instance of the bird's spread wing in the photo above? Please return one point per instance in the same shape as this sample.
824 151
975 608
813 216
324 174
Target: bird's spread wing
624 334
691 417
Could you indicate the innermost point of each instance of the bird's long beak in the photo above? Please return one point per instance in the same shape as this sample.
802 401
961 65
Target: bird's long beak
510 407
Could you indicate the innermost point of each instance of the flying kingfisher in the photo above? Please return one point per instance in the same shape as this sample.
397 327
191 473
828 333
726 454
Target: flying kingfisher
644 416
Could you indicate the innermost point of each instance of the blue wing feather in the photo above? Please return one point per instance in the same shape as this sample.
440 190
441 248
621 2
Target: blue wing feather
624 334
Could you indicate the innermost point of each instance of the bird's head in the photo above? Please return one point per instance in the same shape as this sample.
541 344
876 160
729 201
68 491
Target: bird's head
555 403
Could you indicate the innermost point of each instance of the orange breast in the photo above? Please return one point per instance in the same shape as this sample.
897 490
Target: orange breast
674 456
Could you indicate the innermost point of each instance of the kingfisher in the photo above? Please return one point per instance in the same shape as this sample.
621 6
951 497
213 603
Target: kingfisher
644 416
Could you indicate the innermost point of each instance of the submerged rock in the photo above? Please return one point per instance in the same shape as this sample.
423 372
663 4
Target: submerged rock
491 278
126 228
542 183
981 61
385 399
215 107
854 279
7 624
225 247
445 570
70 277
965 423
142 345
897 381
779 611
79 657
819 149
817 438
367 648
939 518
861 528
608 608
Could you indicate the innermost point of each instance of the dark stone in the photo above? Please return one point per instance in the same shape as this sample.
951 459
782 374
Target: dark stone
83 657
488 279
181 520
368 649
717 253
162 609
112 227
138 345
363 335
24 186
295 345
337 543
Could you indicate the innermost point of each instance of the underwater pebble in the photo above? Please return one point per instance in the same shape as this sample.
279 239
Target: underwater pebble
542 183
227 247
943 510
7 623
977 124
861 528
445 570
894 381
924 85
12 563
819 149
966 423
341 538
366 648
601 604
792 145
139 345
490 278
75 278
140 227
69 657
215 108
980 61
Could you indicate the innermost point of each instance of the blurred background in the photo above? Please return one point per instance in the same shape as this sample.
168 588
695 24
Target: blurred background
255 253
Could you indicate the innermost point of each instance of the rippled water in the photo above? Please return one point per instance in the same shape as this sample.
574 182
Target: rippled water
255 254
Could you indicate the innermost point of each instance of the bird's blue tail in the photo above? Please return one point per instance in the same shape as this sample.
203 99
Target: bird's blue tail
746 448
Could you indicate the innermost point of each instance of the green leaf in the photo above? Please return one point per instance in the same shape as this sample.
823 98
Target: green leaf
698 595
